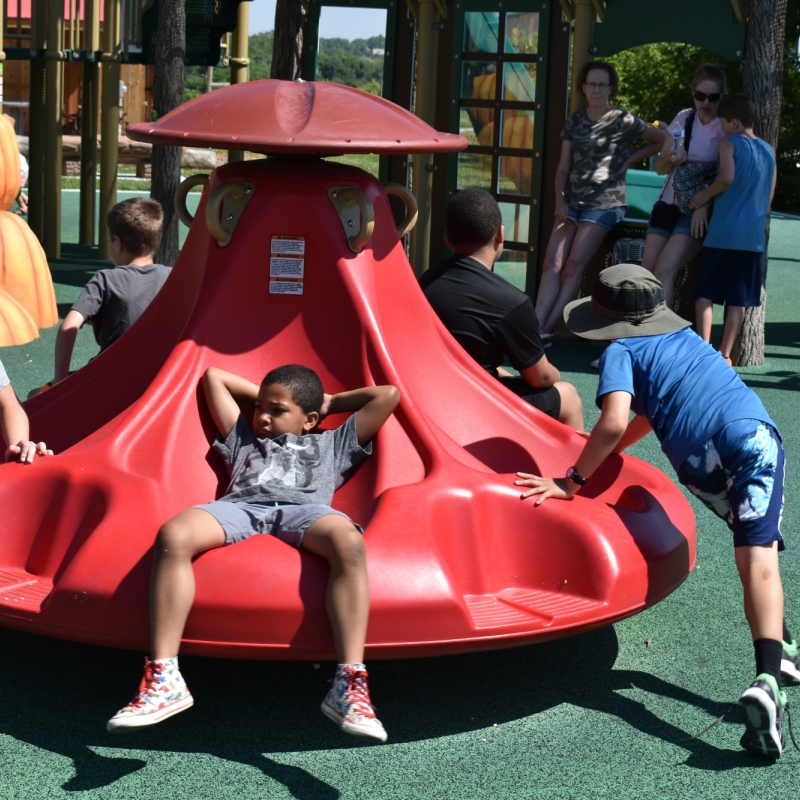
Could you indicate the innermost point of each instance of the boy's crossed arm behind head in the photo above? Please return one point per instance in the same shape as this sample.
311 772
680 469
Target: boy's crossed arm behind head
291 400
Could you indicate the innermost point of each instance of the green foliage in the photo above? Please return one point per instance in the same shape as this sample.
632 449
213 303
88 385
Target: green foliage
349 63
260 51
352 63
787 189
656 79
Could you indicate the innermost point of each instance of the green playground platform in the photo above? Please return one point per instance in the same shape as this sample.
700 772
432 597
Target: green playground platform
608 714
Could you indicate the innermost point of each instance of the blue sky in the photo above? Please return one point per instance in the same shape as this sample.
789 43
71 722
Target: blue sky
344 23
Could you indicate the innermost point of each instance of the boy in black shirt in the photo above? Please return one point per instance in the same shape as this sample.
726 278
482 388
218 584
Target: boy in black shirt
488 316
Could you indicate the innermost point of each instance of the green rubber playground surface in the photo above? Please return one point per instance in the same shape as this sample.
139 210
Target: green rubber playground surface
608 714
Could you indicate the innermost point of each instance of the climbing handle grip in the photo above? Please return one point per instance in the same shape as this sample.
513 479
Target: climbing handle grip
412 213
180 197
225 206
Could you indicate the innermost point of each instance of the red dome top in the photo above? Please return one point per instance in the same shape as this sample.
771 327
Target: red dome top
274 116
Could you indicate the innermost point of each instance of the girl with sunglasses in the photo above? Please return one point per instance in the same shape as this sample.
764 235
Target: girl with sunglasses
674 238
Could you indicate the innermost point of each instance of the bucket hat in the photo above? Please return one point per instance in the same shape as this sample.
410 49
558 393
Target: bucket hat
627 302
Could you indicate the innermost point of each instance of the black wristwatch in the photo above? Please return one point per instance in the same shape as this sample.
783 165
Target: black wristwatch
575 477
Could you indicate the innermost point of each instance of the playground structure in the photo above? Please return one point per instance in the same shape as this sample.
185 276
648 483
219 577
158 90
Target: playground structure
497 73
457 562
52 33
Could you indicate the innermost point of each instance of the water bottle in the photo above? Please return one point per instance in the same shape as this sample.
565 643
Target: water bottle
677 139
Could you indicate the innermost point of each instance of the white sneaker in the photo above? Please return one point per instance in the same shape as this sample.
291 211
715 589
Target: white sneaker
348 705
162 693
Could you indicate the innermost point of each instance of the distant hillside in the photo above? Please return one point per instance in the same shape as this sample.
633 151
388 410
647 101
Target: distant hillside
340 61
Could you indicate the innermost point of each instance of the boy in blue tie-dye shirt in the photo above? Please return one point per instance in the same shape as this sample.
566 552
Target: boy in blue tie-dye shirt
721 442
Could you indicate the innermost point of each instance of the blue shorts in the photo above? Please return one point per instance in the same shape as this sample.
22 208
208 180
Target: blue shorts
738 474
729 276
286 521
604 217
683 226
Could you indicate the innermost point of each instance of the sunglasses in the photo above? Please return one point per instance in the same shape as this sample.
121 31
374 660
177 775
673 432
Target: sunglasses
714 97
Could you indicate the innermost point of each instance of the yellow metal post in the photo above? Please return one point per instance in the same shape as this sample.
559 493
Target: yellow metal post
239 61
36 122
54 90
89 92
109 133
425 109
582 43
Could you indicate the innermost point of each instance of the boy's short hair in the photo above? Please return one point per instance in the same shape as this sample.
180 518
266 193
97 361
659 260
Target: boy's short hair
613 78
303 383
137 222
737 106
709 72
472 218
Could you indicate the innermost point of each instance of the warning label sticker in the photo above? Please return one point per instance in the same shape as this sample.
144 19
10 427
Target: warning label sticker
287 265
282 267
283 286
296 245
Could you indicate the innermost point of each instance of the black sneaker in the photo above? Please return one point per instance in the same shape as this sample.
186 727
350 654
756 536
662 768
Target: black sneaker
790 664
762 708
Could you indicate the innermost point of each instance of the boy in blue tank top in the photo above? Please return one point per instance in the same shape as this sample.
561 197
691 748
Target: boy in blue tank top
731 260
721 442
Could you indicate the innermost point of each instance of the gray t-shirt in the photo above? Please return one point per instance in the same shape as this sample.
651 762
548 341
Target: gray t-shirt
4 381
115 298
598 152
289 469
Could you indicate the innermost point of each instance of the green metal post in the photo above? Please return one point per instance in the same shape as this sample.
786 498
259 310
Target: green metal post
54 86
239 61
109 128
89 92
425 109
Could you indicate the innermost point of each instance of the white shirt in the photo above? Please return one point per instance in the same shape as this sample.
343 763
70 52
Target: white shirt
704 145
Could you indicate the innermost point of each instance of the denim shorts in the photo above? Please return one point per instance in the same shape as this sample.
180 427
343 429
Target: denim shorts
738 474
285 521
683 226
604 217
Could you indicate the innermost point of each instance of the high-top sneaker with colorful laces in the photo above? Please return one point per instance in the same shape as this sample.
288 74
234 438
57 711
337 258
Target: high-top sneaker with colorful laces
790 664
162 693
762 708
349 706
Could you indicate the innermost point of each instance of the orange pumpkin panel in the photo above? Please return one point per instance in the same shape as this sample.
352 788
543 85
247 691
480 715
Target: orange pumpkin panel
10 178
24 273
16 324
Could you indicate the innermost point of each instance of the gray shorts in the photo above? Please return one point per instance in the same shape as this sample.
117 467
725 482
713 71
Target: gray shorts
285 521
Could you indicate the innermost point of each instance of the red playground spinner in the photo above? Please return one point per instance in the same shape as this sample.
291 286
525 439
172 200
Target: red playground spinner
293 259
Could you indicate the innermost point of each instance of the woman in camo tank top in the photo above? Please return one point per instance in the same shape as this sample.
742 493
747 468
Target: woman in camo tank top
596 152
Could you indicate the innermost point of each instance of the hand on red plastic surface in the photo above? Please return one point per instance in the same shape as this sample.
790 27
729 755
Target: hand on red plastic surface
544 487
25 451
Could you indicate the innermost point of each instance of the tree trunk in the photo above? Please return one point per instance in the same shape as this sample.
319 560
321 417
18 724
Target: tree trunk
763 82
168 94
288 43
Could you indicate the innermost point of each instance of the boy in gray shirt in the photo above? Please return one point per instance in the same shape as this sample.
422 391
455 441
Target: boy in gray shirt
115 298
282 482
